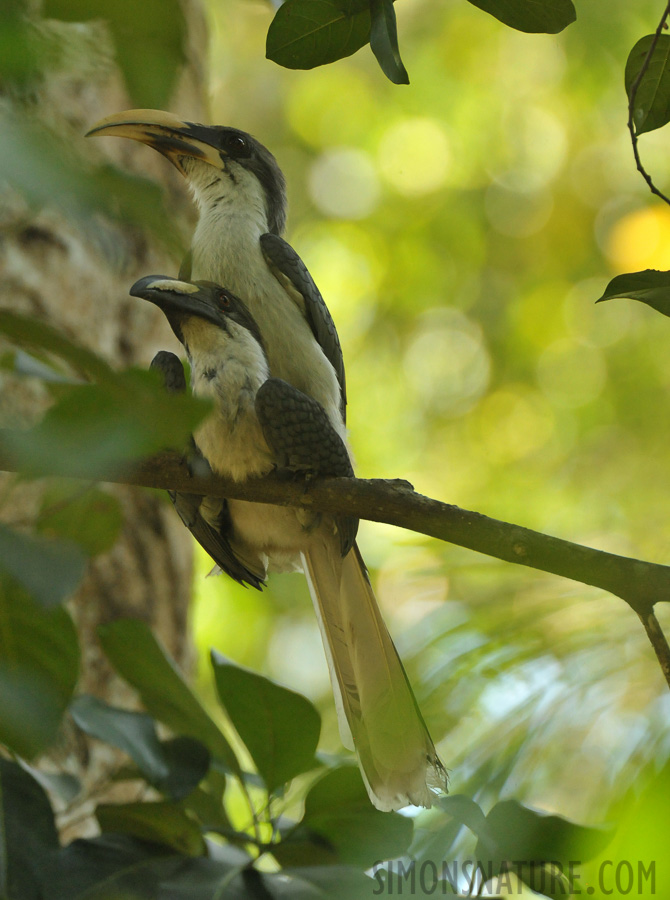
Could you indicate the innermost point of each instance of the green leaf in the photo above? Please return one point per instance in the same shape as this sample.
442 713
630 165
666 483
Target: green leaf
188 763
211 813
48 569
340 820
64 786
94 430
651 109
92 518
150 39
119 867
138 657
161 823
175 767
384 41
309 33
39 667
545 16
650 286
464 810
537 840
320 883
279 728
27 833
29 332
110 867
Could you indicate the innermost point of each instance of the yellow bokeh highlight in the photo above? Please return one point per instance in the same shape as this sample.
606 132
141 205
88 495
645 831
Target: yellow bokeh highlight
414 156
513 423
641 240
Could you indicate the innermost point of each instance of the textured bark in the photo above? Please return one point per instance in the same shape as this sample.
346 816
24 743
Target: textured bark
78 281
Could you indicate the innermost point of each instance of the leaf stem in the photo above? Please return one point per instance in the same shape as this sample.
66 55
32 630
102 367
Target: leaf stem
631 107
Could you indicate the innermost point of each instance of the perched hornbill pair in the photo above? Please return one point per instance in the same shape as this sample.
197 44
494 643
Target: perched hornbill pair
261 342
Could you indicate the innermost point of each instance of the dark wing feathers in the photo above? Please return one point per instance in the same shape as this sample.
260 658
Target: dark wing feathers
214 537
300 435
282 258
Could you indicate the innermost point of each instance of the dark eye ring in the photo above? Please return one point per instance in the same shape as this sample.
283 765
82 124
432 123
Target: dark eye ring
224 299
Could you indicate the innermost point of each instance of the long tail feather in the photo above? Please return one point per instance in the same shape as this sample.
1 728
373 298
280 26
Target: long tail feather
375 703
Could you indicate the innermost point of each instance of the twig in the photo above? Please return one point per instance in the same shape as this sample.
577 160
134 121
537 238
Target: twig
658 641
631 107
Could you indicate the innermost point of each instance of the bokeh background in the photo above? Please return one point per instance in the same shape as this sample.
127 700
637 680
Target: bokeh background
461 230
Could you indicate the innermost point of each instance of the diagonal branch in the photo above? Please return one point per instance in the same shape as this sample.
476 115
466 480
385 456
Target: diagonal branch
641 584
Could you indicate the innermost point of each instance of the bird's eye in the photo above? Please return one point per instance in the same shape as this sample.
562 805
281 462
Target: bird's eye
224 300
237 145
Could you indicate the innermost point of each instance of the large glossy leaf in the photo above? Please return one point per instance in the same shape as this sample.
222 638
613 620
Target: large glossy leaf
650 286
652 98
533 842
39 666
547 16
384 41
138 657
174 767
279 727
109 867
342 826
120 867
309 33
160 823
27 833
150 41
95 429
48 569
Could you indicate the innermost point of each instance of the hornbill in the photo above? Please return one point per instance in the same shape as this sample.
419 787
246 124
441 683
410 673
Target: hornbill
240 192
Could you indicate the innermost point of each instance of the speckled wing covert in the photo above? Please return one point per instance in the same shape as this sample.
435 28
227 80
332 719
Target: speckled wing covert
287 266
302 439
207 518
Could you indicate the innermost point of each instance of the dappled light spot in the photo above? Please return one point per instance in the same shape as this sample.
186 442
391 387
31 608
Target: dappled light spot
641 240
335 105
447 362
571 375
531 149
517 213
414 156
343 184
295 656
513 423
600 325
344 262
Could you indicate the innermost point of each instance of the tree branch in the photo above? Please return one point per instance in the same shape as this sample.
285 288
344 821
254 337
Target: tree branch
631 107
641 584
